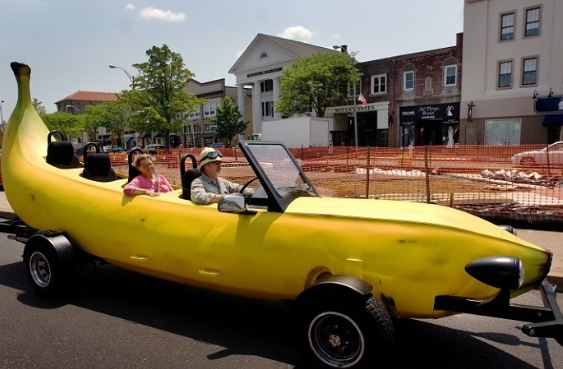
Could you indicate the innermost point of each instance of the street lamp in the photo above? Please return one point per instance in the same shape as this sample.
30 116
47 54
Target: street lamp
131 78
344 49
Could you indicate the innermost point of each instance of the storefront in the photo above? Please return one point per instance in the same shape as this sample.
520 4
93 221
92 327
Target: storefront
553 120
436 124
372 121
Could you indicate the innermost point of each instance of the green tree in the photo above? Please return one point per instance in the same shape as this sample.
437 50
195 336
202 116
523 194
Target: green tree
316 82
115 116
228 120
38 105
69 124
158 96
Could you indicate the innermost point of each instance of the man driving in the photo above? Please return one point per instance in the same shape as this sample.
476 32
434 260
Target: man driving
209 187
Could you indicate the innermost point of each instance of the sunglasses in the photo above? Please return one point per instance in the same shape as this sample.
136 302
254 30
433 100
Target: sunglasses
212 155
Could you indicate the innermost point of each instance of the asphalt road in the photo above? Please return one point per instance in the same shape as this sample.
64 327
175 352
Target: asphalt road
117 319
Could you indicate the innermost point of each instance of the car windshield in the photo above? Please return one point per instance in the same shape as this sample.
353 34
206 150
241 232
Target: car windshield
282 171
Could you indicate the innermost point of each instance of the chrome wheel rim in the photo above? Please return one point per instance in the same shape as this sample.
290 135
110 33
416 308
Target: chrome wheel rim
336 339
40 269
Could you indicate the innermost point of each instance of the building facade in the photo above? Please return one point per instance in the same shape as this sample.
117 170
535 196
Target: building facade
427 94
259 69
77 103
200 129
513 75
411 99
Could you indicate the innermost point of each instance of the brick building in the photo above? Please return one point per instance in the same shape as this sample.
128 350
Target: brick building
427 92
412 99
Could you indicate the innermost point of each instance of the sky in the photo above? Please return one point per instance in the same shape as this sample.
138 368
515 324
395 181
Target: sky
69 44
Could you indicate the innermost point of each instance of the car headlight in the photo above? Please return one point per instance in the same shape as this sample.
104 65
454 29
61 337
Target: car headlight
504 272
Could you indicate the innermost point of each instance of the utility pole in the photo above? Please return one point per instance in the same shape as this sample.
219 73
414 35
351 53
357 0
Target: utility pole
344 49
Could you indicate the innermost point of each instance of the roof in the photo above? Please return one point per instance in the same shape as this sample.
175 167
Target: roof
297 48
91 96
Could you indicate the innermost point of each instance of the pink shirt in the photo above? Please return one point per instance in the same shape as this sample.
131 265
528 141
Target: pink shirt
141 182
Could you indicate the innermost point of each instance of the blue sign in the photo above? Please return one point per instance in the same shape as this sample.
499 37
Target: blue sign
546 104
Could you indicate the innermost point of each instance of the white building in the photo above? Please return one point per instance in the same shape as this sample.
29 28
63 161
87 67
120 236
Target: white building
512 82
261 66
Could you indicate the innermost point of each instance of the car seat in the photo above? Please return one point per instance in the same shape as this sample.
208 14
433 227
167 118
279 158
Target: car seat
188 176
61 153
97 166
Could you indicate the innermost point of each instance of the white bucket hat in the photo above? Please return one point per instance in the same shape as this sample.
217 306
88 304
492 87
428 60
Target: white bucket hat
209 155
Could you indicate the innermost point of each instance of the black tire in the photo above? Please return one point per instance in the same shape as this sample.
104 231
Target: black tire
48 276
354 333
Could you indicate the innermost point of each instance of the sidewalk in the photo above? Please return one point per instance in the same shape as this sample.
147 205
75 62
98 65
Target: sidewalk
552 241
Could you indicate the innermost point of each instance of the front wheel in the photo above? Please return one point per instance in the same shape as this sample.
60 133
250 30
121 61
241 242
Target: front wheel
347 334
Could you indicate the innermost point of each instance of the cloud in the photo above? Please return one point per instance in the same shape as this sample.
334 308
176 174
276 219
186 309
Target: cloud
162 15
298 33
130 6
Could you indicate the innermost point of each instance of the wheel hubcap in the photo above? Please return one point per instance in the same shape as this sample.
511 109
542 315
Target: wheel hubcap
40 269
336 339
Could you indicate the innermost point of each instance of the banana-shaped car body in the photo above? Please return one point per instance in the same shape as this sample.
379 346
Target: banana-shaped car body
343 262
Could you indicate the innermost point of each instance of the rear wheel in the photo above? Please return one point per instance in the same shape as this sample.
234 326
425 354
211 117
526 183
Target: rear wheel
345 333
47 274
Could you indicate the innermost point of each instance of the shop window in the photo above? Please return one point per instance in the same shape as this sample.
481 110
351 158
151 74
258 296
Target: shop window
532 22
507 26
502 131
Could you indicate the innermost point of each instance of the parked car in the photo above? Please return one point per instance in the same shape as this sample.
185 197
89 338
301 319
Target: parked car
539 157
117 149
152 148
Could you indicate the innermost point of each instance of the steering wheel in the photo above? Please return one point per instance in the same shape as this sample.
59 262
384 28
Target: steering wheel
246 185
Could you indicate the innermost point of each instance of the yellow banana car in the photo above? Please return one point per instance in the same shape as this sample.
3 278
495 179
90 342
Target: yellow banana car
348 265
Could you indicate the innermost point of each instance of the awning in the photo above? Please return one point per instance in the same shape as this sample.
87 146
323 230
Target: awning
553 120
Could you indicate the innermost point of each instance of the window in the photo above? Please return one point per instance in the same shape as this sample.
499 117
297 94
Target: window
502 131
209 109
351 89
267 108
197 128
505 74
529 71
450 75
507 26
267 85
532 22
379 84
408 80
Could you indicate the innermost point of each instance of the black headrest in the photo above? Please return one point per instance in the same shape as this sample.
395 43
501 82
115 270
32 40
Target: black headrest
97 165
60 153
133 172
188 176
187 180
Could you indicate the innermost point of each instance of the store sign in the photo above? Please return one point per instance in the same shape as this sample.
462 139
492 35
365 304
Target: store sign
350 109
448 113
547 104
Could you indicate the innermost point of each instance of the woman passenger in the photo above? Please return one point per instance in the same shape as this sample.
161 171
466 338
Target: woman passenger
148 182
